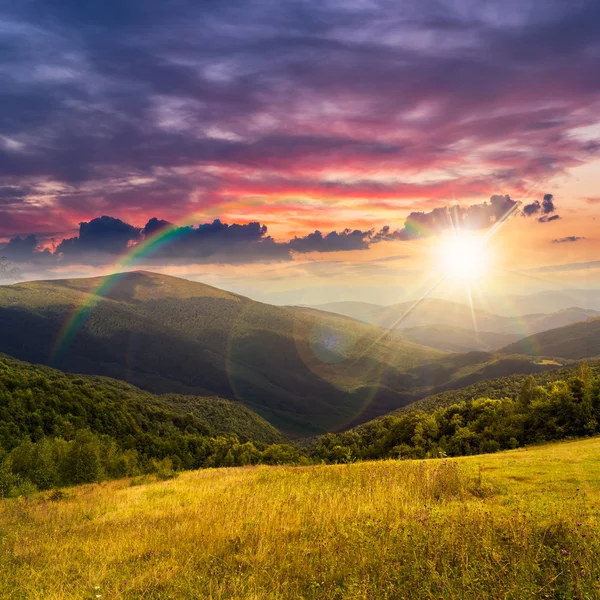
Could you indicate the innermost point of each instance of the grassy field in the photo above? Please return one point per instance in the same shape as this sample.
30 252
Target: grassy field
521 524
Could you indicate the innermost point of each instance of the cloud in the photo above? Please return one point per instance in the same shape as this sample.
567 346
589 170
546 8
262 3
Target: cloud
20 248
532 209
98 238
332 242
138 105
569 238
548 204
546 207
216 242
12 195
474 217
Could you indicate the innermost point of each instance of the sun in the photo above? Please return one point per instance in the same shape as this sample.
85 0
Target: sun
463 256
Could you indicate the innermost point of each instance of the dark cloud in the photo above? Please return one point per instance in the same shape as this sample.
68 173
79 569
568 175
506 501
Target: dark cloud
565 240
474 217
20 248
155 225
332 242
532 209
548 204
216 242
546 207
13 194
98 238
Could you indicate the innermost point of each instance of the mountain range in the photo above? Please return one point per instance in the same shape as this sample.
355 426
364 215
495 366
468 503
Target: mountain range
455 327
306 371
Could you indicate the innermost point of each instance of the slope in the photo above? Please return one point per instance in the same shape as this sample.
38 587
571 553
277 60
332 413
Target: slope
519 524
496 388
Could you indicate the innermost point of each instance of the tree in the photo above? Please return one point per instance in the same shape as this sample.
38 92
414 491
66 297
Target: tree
82 463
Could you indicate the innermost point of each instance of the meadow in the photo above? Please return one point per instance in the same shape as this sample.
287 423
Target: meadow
512 525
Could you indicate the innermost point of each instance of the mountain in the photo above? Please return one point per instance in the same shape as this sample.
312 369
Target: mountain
456 339
448 325
576 341
303 370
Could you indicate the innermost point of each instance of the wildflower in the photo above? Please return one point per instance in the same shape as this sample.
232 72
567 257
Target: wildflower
578 524
564 552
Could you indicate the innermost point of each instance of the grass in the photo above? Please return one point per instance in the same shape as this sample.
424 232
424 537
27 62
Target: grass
515 525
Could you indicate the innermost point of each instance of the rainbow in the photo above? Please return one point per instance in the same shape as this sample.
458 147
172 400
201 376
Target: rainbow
150 244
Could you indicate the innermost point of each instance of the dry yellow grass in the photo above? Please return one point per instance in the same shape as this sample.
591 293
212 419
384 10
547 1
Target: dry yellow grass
515 525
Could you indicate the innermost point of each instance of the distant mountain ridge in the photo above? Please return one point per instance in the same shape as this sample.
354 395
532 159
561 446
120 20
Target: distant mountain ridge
448 325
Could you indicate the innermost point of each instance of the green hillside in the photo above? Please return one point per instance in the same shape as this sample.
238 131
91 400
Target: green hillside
576 341
537 413
303 370
500 387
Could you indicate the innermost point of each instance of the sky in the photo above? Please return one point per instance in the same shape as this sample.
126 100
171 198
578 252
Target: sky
301 150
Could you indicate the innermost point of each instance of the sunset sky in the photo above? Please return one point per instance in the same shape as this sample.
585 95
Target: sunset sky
268 125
